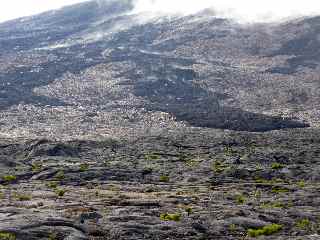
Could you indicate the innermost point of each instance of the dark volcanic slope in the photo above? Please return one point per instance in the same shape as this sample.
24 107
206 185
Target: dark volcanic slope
22 39
116 126
96 58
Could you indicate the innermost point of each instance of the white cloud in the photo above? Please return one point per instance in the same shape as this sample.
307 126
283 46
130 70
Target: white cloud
245 10
10 9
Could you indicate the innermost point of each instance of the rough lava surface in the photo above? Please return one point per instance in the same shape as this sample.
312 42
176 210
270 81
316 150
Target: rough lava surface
118 125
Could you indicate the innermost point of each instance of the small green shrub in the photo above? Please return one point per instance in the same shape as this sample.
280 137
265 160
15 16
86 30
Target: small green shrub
301 184
52 236
273 205
304 224
261 180
36 167
60 192
240 199
192 163
277 166
151 156
60 175
267 181
278 205
52 185
259 167
266 230
22 197
278 189
83 167
290 204
257 194
218 166
7 236
232 227
170 217
164 178
9 178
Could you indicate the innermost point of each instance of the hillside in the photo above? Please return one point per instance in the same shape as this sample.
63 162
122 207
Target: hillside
111 119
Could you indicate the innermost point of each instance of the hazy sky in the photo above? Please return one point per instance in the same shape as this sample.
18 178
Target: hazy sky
247 10
10 9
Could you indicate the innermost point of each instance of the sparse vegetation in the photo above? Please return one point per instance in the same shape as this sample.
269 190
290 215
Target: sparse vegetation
277 166
279 189
7 236
192 163
274 205
164 178
218 166
170 217
22 197
233 228
266 230
259 167
301 184
151 156
83 167
52 236
257 194
304 224
60 175
60 192
36 167
52 185
241 199
268 181
9 178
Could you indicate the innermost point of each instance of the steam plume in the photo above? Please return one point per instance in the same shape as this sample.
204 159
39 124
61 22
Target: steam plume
243 10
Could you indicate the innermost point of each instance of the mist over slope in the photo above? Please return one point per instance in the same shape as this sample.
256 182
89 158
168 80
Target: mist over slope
246 11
